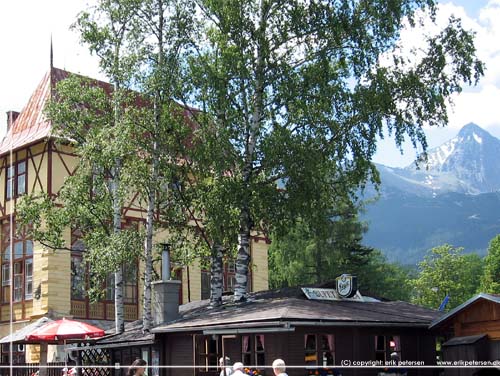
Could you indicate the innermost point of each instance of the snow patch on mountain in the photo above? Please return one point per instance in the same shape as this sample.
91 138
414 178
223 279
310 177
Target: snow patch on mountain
468 163
478 139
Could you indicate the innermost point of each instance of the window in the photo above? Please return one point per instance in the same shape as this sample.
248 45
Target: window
18 282
230 276
18 354
16 180
28 279
5 283
229 280
207 350
380 348
439 348
83 279
79 270
78 274
395 346
155 362
21 276
205 285
110 287
253 350
319 350
129 284
260 356
385 346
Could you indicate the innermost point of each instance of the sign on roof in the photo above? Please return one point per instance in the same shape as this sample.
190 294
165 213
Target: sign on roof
347 289
347 285
313 293
320 294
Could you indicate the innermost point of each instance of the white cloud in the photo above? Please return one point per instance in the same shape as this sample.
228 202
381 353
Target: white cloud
474 103
27 25
478 104
25 33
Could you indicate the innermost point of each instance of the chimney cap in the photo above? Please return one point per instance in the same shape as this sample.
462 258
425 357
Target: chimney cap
11 118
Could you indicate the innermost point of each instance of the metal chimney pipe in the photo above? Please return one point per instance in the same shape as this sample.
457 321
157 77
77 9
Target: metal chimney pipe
165 262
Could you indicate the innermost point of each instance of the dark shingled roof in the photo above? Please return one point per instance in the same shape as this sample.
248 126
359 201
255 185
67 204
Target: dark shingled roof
444 319
468 340
290 305
133 333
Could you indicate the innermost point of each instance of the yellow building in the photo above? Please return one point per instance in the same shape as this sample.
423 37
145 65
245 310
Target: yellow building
53 283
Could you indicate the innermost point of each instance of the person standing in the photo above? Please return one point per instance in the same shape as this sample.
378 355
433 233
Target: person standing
279 367
224 364
137 368
238 369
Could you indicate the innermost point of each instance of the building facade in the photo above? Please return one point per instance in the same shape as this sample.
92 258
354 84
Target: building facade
318 336
471 332
45 282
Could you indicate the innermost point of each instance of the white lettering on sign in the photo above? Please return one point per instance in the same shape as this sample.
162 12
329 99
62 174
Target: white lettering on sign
313 293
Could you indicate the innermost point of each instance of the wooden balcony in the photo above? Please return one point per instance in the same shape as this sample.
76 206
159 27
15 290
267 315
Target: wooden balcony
83 309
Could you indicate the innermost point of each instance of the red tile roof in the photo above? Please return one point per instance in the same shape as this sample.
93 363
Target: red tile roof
31 124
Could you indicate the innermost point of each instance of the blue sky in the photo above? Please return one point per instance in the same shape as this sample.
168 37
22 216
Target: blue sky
25 59
477 104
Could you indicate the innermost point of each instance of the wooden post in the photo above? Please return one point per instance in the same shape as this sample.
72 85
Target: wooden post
43 359
78 362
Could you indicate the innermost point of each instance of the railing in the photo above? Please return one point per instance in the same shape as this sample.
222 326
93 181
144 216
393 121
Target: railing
100 311
29 369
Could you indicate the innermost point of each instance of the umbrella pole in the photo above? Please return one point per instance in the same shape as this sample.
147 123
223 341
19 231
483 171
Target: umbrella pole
78 362
43 359
65 359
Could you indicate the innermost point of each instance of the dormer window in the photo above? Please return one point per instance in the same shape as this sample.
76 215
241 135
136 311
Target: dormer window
16 180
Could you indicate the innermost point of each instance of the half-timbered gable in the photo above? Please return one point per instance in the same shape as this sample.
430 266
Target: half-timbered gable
53 283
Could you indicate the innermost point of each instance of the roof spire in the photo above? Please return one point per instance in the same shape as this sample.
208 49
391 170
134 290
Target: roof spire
51 53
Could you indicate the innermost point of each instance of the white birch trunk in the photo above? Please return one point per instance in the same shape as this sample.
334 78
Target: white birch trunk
117 204
243 257
216 275
147 317
117 227
246 223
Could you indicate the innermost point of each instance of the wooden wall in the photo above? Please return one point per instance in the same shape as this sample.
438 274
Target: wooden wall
177 350
482 317
351 343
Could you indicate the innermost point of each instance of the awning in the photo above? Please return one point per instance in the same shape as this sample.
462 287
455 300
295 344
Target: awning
467 340
19 336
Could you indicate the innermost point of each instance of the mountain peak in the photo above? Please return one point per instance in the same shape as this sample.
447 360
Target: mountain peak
472 129
469 160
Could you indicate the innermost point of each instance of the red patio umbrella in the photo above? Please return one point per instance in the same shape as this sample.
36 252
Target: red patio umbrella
61 330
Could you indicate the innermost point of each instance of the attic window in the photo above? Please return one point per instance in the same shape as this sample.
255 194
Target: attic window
16 180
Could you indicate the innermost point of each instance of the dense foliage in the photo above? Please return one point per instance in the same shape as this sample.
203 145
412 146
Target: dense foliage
300 257
447 271
490 281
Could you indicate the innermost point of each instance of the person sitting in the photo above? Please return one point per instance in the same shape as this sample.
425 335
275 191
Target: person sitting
279 367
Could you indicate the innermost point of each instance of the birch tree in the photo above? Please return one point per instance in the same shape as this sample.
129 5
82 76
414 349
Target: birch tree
298 93
161 44
83 116
107 31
